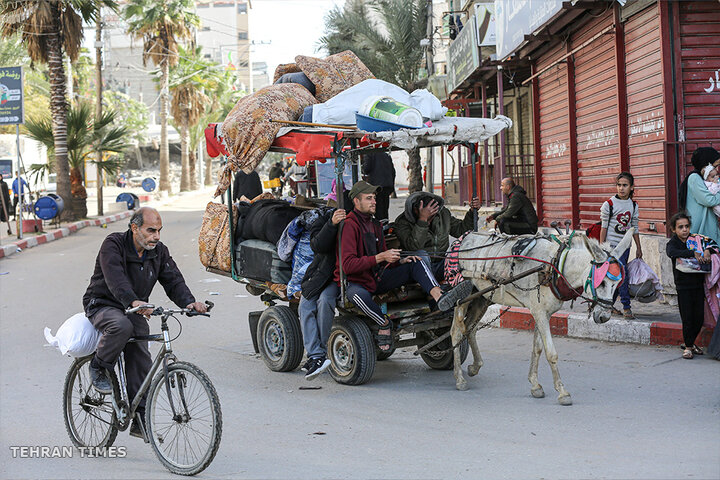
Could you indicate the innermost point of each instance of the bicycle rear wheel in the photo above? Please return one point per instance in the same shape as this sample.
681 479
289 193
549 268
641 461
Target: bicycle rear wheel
185 442
90 419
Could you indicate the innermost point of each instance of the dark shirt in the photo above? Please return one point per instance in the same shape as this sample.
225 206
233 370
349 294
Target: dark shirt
121 276
675 249
247 184
379 169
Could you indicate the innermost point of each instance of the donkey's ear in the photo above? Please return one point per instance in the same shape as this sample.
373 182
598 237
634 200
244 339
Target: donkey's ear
599 255
624 243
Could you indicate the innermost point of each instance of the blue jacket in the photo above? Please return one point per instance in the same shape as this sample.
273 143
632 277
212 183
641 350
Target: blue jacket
22 187
699 206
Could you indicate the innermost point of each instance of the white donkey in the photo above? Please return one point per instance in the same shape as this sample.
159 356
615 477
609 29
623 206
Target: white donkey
583 262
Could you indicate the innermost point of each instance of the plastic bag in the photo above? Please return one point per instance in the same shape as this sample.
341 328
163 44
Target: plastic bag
76 336
643 283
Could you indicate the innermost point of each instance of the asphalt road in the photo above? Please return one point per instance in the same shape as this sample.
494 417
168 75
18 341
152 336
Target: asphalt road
639 412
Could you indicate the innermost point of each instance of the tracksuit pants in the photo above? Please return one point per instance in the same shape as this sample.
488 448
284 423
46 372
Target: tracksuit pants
691 304
391 278
316 317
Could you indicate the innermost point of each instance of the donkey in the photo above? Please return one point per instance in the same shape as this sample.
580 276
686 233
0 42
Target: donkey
583 262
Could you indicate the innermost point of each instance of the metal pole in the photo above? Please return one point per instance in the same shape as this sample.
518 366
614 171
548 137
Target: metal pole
473 162
20 191
340 194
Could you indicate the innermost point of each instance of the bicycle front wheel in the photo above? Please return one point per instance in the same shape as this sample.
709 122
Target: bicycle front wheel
90 419
183 418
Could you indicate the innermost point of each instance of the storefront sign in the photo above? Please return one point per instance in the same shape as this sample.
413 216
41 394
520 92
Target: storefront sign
485 21
463 55
517 18
11 96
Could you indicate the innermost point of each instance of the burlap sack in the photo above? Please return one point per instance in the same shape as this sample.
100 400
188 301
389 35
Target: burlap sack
214 239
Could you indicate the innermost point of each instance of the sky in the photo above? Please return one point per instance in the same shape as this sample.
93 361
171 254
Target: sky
292 27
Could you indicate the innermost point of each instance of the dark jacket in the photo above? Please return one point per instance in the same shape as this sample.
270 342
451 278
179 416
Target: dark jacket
519 209
121 277
7 211
416 234
247 184
379 169
676 248
323 237
362 239
276 171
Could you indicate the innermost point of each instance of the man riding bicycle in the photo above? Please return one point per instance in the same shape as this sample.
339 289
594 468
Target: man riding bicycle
127 268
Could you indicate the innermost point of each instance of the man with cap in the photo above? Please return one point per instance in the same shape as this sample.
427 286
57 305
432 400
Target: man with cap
371 268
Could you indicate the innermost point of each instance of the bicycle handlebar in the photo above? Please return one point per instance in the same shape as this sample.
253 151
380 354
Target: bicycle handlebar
157 311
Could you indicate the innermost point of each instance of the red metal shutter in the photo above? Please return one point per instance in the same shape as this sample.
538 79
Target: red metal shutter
554 162
596 113
700 43
646 122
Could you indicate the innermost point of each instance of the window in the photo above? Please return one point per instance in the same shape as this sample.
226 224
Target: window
242 8
242 35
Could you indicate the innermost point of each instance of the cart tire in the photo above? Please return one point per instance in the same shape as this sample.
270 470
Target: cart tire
381 355
280 339
445 360
352 351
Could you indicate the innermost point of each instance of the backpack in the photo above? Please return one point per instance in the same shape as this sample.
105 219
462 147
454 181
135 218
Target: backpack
593 230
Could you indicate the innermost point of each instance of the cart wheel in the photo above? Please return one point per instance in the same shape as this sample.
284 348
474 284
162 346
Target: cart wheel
351 351
280 339
437 359
381 355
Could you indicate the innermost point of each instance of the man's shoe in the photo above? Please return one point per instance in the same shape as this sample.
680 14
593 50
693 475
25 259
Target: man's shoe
306 365
318 366
99 379
135 430
450 298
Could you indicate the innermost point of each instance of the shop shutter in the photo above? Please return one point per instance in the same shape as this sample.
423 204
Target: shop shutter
596 113
646 122
554 164
700 43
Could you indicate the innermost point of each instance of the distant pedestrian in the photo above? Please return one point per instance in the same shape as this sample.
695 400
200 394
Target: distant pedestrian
4 200
696 199
379 170
617 215
20 186
276 172
691 292
519 217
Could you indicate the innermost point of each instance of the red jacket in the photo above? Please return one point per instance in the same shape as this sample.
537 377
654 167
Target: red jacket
357 261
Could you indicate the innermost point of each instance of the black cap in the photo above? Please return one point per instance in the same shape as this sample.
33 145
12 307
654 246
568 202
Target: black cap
362 187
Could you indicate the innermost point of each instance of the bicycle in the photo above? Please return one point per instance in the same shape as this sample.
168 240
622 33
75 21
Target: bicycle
183 420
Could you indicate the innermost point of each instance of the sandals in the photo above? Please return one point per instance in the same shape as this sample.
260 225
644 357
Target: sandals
628 314
694 349
687 354
385 339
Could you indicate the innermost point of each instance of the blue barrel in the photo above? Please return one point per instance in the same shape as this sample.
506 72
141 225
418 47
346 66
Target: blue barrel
148 184
131 199
49 206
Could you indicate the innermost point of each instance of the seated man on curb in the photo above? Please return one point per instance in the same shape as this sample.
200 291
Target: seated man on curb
426 225
519 217
319 293
371 269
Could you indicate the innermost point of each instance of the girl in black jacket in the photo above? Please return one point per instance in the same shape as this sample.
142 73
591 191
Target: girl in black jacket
689 286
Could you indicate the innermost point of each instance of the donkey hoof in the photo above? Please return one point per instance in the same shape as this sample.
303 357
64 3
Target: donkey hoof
473 370
461 386
538 392
565 400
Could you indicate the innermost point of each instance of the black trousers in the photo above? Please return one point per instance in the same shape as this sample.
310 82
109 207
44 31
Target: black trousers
382 202
692 312
117 328
516 228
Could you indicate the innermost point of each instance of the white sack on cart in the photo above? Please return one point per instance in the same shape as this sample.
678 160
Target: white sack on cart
76 336
643 283
341 109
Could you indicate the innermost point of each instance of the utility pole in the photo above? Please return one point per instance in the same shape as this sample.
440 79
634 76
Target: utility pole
430 70
98 106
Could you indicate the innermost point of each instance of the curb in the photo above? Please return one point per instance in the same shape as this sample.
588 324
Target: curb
569 324
20 245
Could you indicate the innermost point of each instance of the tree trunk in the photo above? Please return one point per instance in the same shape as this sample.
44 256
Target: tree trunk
58 112
138 153
184 155
414 171
164 147
193 170
208 168
98 107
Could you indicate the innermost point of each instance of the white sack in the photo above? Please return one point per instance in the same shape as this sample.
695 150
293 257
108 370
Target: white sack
638 272
76 336
341 109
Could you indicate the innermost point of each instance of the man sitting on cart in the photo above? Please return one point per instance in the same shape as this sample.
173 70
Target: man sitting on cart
371 268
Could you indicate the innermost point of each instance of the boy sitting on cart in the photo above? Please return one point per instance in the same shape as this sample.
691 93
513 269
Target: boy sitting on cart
371 268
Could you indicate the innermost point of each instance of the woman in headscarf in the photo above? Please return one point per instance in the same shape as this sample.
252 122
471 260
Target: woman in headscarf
695 198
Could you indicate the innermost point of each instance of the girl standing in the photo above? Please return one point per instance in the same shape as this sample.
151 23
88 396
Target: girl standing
689 286
617 215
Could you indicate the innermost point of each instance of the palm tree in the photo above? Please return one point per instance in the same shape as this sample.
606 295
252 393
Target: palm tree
48 29
390 47
86 136
189 80
161 24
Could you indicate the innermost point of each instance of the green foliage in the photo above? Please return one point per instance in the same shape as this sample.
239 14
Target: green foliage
129 113
390 48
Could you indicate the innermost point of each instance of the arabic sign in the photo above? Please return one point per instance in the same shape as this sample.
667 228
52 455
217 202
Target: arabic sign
463 55
485 21
11 96
517 18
